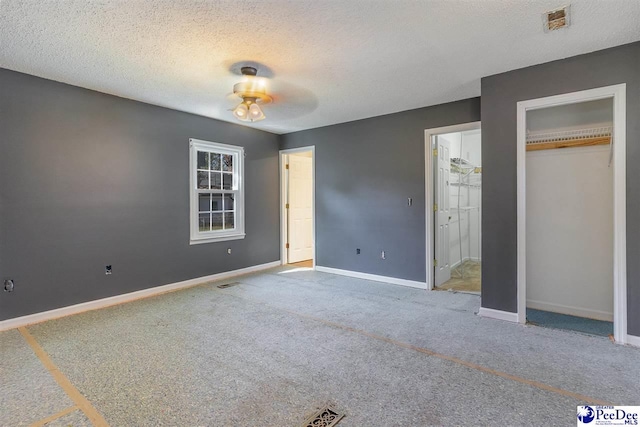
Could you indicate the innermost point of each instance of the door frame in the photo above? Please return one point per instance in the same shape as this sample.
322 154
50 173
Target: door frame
284 180
428 189
618 93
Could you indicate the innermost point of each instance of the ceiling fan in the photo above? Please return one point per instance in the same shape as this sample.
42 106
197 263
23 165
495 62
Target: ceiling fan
287 101
253 92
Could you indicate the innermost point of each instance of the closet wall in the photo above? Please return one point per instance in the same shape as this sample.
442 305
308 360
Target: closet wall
582 115
470 196
570 216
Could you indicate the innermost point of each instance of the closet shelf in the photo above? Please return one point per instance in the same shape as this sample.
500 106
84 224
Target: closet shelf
464 184
572 138
463 163
460 165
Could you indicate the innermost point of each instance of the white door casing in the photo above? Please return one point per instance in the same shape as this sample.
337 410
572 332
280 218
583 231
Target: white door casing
430 186
618 93
443 211
300 218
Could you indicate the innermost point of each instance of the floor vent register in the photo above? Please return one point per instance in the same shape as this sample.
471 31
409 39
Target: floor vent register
327 417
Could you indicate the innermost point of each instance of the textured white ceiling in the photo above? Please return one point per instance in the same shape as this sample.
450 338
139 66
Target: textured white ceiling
330 61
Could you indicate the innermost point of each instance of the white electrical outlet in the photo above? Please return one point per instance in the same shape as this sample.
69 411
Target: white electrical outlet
383 255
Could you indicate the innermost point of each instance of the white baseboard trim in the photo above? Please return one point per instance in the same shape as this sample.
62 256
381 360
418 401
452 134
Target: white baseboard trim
498 314
633 340
30 319
373 277
570 310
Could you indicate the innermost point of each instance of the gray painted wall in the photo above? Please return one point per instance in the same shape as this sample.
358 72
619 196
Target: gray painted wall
88 179
571 116
365 171
500 93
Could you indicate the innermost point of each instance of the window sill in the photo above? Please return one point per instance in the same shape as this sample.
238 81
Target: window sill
217 239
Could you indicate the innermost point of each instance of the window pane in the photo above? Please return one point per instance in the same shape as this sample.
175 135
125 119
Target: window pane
203 180
204 222
216 208
203 160
216 202
227 181
216 221
215 161
229 220
204 203
227 163
229 204
216 181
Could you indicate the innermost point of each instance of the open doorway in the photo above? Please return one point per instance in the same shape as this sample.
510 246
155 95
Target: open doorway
297 169
454 196
569 186
571 212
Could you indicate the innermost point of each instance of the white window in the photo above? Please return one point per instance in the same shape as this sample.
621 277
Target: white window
217 191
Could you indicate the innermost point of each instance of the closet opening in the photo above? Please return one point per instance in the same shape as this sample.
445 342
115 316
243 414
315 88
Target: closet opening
455 184
571 212
570 217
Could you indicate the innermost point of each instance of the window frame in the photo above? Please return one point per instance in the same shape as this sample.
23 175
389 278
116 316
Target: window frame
196 236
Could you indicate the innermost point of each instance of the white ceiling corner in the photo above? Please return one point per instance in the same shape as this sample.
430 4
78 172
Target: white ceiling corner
332 61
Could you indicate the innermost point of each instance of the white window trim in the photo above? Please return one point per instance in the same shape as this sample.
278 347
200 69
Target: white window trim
197 237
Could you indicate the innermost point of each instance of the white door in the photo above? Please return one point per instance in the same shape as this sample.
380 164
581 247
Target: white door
443 213
300 224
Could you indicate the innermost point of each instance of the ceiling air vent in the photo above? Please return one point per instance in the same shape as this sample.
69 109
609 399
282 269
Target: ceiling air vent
556 19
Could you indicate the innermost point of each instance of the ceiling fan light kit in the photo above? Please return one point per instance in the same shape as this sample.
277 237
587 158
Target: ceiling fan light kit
253 92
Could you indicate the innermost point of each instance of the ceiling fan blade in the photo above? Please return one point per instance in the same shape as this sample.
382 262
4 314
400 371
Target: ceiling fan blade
289 101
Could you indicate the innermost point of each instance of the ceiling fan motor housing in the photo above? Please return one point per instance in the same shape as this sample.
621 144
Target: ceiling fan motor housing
252 89
249 71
